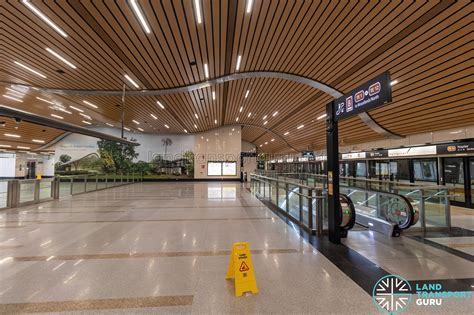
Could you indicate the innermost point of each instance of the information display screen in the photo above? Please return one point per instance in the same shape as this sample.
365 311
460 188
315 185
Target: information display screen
214 168
229 168
222 168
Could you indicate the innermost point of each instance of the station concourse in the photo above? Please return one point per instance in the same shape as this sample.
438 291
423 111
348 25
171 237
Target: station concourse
236 157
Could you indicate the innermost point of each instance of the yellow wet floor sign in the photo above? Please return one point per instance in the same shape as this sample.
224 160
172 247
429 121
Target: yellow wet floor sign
241 268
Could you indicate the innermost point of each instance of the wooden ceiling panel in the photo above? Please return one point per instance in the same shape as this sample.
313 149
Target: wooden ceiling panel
424 44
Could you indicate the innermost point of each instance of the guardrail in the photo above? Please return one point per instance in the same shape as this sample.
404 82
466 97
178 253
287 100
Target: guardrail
305 205
23 192
430 203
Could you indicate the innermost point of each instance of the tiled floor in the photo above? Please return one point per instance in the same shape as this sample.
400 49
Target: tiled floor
462 217
164 248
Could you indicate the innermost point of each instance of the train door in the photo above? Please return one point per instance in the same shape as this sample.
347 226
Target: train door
459 178
379 170
31 169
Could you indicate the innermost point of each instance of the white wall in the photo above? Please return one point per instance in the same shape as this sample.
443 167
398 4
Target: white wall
222 144
7 164
250 163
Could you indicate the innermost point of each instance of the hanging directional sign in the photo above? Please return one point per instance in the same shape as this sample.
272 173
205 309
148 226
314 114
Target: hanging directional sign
374 93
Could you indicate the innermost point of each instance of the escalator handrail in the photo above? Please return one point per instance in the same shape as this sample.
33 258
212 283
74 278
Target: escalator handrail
352 220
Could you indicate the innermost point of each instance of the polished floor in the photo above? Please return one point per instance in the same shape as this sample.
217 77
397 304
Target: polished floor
164 248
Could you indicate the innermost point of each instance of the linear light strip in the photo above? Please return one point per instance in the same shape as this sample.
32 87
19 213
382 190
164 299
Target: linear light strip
140 16
29 69
198 11
12 98
131 81
44 18
52 52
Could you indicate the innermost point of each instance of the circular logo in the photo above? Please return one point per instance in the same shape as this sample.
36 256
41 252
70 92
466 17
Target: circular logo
392 294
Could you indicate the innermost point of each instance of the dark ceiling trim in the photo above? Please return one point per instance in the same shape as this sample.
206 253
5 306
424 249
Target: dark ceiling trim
44 121
54 141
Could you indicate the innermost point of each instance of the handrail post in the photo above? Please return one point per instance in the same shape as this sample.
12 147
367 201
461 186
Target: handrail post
447 210
96 182
13 193
300 199
72 183
37 190
56 186
287 204
319 211
310 209
422 210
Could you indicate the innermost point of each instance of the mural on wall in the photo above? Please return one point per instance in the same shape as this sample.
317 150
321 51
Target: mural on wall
115 158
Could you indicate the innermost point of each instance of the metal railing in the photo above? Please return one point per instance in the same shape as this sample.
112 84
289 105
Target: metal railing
23 192
430 202
305 205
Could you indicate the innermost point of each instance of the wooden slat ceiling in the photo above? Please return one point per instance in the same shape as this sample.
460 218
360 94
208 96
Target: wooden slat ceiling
424 44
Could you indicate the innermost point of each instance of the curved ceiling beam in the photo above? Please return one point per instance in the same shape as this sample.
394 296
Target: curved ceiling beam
369 121
44 121
192 87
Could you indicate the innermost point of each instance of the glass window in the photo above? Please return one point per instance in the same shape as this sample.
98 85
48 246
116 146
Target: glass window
361 169
425 170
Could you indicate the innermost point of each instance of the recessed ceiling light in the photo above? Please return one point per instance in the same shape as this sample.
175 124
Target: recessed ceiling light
241 109
266 142
185 131
90 104
274 114
265 117
29 69
44 18
154 117
38 141
213 95
12 98
233 129
140 16
272 140
266 122
5 146
198 11
77 109
57 116
239 59
237 119
11 135
394 82
161 105
42 99
109 124
261 145
249 6
322 116
136 122
64 111
131 81
86 122
128 129
196 115
206 71
247 93
17 93
286 133
167 127
300 126
140 129
250 114
24 148
215 121
195 126
55 54
85 116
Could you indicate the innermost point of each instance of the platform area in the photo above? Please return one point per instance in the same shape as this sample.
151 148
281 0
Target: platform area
164 248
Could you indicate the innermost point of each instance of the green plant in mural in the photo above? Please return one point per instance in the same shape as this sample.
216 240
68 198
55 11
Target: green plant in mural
116 157
157 163
64 158
166 142
189 156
